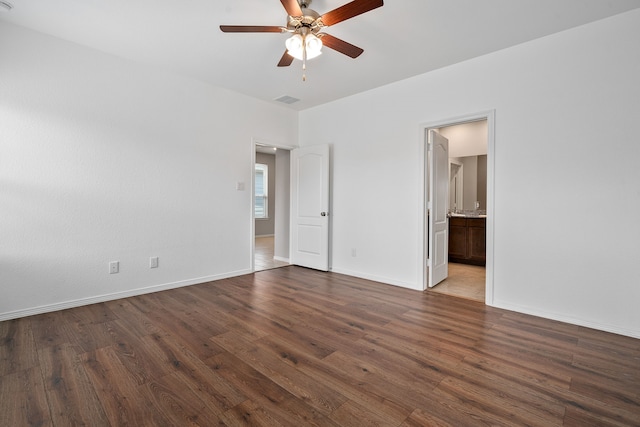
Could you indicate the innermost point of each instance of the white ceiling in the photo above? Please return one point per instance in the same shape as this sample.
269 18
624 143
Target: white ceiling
400 40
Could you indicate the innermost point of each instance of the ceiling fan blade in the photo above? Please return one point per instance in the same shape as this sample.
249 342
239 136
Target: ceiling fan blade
292 7
286 60
340 45
349 10
251 29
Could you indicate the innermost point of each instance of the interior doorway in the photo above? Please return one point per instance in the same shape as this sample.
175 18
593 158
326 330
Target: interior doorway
270 206
470 213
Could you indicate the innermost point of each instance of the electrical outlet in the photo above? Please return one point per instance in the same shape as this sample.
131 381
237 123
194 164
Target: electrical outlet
114 267
153 262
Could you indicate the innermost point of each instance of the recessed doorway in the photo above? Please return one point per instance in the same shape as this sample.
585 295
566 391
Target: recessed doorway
270 207
470 207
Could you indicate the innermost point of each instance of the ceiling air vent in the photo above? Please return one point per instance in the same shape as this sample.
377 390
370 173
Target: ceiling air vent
286 99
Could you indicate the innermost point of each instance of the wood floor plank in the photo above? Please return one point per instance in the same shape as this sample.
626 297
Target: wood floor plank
249 413
17 347
608 391
281 404
580 417
49 329
216 392
192 334
91 314
137 322
383 406
71 394
296 347
177 403
90 336
283 328
481 400
261 357
352 414
23 399
121 398
444 411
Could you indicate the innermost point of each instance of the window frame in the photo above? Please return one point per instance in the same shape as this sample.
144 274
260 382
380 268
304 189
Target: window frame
264 168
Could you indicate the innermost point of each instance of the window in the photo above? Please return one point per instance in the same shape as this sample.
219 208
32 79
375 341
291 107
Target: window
261 186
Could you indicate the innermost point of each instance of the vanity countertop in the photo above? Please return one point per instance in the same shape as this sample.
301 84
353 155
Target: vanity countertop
466 215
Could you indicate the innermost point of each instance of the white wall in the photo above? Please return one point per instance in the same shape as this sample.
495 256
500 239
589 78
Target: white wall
467 139
566 154
104 160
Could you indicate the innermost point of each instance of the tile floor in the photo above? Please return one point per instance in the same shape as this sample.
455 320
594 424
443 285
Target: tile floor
264 254
464 281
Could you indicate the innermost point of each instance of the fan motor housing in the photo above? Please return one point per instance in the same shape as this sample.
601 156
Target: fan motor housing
308 19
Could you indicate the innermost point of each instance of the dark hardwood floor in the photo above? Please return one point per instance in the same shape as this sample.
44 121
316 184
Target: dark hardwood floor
296 347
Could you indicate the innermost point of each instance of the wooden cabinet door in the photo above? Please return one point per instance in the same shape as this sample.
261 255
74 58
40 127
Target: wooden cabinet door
477 244
467 240
457 238
476 234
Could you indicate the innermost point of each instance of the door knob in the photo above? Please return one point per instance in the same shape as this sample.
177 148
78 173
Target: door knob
323 214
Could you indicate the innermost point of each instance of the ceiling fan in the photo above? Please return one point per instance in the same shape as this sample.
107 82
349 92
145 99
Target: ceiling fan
306 27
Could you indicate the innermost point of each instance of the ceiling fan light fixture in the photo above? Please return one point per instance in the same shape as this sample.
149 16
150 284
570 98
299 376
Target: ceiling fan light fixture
313 45
297 45
294 44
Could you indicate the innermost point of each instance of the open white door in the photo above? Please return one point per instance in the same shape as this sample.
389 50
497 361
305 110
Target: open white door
438 238
310 207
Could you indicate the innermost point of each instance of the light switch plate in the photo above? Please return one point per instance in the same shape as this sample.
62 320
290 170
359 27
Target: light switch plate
114 267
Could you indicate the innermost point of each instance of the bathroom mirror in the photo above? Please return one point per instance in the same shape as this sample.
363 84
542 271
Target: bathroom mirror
468 183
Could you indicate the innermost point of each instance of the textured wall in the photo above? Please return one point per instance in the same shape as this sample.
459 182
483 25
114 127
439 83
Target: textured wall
104 160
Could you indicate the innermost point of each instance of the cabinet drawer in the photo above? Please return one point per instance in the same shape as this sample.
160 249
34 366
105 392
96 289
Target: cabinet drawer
457 222
476 222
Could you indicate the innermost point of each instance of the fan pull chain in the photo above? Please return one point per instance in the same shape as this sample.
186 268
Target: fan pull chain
304 62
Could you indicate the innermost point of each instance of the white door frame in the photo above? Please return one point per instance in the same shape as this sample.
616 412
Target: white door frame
459 183
489 116
255 142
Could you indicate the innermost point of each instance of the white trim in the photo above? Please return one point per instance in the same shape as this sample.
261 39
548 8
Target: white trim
255 141
380 279
117 295
459 196
634 333
252 206
279 258
489 116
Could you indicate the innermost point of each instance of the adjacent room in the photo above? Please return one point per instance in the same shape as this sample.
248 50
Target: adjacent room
233 212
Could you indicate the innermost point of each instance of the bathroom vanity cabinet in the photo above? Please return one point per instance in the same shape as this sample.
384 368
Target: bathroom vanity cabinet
467 240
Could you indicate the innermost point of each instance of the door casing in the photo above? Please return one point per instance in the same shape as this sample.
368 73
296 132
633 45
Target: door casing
489 116
255 142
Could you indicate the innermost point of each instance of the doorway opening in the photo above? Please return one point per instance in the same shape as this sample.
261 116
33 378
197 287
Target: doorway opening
270 206
469 205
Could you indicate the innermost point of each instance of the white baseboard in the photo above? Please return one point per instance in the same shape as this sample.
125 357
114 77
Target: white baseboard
116 295
375 278
279 258
567 319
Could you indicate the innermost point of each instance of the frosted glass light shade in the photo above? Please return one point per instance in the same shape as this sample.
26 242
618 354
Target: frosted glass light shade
294 44
297 44
313 45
